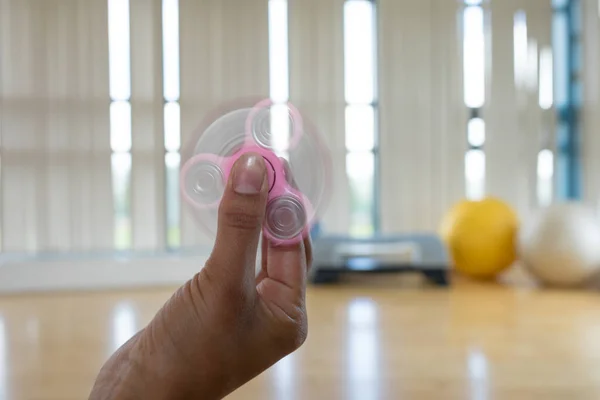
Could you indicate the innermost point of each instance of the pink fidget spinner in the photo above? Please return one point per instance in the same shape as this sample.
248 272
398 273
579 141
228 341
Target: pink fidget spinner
298 168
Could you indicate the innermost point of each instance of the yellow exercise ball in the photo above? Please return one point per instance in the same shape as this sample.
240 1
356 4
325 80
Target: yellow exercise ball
481 237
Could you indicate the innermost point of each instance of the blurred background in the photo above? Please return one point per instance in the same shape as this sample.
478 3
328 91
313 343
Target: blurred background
423 104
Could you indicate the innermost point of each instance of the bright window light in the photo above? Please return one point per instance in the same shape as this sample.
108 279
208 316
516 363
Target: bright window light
172 126
170 31
474 57
545 168
360 128
359 89
121 181
521 55
476 132
560 57
284 378
118 50
120 126
546 78
124 325
360 165
278 51
280 129
363 349
478 374
172 161
359 51
545 174
475 174
360 168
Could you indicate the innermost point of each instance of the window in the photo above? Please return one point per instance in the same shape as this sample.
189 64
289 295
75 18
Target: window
360 115
170 24
473 57
560 46
279 76
525 54
566 99
172 119
475 159
120 119
120 126
546 78
121 186
278 51
520 49
118 50
545 174
359 51
474 97
476 132
475 174
172 162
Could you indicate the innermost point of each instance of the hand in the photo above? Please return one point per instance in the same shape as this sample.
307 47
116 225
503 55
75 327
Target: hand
226 325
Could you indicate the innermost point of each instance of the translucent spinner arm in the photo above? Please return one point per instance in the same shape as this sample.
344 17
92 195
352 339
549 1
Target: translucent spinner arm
289 212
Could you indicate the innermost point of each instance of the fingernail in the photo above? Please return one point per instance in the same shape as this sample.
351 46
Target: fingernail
249 174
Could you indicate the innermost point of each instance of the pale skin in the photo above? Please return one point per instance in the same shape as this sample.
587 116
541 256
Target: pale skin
225 325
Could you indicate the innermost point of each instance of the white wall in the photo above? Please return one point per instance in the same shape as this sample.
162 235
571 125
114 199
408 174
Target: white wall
422 112
56 182
316 45
148 165
516 127
590 112
224 56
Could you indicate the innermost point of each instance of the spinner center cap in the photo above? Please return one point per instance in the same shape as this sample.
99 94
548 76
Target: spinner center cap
271 175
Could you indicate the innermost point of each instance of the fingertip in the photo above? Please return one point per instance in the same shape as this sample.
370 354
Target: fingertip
288 251
308 251
249 174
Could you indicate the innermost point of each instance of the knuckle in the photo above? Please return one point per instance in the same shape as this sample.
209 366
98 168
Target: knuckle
291 334
301 336
240 218
295 339
230 300
309 260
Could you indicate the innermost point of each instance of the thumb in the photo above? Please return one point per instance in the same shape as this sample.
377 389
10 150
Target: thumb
240 219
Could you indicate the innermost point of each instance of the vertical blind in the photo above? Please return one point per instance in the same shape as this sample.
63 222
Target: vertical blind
518 127
423 118
57 184
590 111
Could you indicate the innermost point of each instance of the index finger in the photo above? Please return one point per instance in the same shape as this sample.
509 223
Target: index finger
288 264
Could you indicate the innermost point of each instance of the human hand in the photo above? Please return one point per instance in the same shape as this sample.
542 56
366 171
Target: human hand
227 324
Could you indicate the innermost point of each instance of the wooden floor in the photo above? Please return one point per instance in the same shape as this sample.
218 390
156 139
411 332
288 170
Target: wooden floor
378 340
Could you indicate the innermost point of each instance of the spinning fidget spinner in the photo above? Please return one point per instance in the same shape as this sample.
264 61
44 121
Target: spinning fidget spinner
298 168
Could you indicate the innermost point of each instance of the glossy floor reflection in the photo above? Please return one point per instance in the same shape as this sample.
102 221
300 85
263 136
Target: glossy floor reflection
367 342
